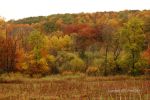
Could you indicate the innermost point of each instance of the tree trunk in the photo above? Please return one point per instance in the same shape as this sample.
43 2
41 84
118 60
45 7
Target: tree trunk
133 60
106 61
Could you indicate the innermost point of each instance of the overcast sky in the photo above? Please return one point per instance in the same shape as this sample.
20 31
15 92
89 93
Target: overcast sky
16 9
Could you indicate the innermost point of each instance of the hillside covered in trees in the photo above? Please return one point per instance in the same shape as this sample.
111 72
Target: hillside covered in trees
101 43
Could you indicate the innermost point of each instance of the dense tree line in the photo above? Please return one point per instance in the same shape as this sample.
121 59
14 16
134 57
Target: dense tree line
101 43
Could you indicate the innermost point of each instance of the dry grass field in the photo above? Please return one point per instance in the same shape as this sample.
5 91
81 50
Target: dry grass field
75 87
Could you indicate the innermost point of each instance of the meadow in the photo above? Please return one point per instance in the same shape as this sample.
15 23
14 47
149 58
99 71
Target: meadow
74 87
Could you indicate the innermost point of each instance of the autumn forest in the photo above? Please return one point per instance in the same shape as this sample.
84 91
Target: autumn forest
95 44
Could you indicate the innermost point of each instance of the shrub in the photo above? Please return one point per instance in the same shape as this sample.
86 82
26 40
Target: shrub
93 71
38 67
67 73
139 66
147 71
134 72
77 65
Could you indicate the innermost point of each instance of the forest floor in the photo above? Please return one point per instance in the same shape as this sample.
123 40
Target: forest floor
75 87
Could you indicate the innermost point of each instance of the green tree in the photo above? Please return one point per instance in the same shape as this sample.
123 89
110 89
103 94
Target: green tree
49 27
38 57
107 38
36 39
134 39
116 52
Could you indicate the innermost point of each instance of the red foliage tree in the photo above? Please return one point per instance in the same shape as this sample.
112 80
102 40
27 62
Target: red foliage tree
7 54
